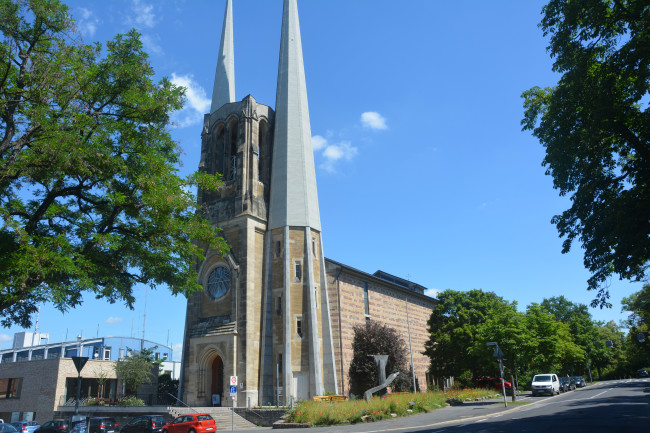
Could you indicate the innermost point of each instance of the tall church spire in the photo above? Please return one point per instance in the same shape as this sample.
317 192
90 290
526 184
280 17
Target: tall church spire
294 199
223 90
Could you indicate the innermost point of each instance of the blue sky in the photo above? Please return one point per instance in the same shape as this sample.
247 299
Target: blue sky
422 168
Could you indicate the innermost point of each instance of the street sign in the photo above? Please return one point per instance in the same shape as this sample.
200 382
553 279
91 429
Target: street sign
233 390
79 362
233 380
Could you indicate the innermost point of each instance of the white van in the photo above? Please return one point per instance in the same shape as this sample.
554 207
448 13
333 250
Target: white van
545 384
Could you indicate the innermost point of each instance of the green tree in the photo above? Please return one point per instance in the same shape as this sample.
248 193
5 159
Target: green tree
90 195
167 387
581 327
551 345
460 325
638 305
595 126
375 338
136 370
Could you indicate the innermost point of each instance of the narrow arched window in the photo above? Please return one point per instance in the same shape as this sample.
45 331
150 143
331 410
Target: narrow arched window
232 161
261 155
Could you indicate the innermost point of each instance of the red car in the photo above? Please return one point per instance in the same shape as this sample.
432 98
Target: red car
490 382
191 423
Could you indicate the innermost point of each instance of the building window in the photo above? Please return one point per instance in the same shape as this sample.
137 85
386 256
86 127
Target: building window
10 388
121 354
298 271
129 353
278 309
365 299
278 248
313 246
107 353
280 363
299 326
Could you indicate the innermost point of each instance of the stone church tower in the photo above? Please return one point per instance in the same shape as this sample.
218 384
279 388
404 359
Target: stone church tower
263 315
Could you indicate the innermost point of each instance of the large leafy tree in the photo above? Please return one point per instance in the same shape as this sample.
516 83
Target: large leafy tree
595 126
461 324
90 194
638 305
139 369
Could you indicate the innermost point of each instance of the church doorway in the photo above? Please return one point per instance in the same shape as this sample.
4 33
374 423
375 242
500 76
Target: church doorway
216 390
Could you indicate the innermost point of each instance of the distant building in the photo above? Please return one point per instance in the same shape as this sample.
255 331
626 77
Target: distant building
37 376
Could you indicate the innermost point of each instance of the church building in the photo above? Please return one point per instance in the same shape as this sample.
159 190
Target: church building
275 312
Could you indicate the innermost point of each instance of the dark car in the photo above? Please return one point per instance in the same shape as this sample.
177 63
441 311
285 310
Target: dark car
144 424
26 426
642 372
567 384
191 423
7 428
580 381
102 425
54 426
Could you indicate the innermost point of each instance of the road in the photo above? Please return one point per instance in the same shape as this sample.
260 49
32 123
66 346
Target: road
610 406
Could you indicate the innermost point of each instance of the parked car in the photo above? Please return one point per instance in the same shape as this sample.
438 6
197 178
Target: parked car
144 424
490 382
191 423
7 428
26 426
567 384
545 384
580 381
102 425
642 372
54 426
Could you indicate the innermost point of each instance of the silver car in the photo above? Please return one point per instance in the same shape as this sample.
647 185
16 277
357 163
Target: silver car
26 426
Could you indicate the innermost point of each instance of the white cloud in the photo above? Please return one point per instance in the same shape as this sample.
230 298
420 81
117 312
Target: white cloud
4 338
150 45
178 352
112 320
432 292
87 23
143 14
318 142
196 101
373 120
333 152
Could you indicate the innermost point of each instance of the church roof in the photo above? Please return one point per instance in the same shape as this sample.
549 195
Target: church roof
294 198
223 90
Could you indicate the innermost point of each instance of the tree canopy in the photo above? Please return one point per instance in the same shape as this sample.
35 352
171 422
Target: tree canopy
595 126
91 199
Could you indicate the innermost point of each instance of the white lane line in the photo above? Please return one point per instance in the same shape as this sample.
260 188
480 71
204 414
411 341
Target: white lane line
481 420
594 396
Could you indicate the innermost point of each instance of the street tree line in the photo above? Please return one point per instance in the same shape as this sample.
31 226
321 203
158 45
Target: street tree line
554 336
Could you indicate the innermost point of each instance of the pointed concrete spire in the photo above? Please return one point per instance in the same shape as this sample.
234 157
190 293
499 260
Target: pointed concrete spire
294 199
223 91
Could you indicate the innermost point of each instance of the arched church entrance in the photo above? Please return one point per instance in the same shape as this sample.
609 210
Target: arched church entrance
217 381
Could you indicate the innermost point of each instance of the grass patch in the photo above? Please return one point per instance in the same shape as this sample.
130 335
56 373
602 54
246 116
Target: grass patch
377 409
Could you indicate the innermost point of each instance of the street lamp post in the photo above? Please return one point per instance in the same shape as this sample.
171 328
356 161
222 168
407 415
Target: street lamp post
498 354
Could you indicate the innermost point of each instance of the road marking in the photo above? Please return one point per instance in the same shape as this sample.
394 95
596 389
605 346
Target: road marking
481 420
594 396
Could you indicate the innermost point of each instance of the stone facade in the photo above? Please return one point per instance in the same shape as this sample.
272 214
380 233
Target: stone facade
357 297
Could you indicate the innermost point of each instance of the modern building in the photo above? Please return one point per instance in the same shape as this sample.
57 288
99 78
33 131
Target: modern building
275 312
37 376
